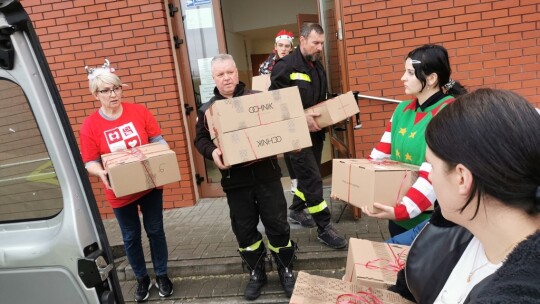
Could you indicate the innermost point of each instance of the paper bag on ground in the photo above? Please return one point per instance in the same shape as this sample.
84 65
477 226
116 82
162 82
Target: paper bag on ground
260 83
312 289
374 264
334 110
361 182
141 168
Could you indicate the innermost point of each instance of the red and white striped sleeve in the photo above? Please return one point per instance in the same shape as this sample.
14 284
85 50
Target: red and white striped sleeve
383 149
419 197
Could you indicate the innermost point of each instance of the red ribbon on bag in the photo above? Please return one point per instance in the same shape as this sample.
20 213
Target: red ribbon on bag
357 298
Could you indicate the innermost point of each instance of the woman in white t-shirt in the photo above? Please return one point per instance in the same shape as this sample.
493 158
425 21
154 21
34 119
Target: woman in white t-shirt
485 152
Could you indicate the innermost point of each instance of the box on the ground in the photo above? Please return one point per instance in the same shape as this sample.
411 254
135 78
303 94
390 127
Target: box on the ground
361 182
141 168
313 289
255 109
261 83
374 264
259 125
334 110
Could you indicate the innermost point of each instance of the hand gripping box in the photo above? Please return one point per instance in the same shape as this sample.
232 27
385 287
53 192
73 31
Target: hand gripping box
374 264
361 182
259 125
334 110
141 168
313 289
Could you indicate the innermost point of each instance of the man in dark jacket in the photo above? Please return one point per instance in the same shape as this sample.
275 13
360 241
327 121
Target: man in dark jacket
303 68
253 190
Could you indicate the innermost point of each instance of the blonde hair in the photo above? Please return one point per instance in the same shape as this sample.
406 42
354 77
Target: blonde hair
103 78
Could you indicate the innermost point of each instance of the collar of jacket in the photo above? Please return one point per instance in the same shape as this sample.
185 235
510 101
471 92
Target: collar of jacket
238 91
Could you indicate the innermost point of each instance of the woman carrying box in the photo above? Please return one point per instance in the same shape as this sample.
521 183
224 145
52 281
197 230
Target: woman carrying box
484 150
427 78
119 126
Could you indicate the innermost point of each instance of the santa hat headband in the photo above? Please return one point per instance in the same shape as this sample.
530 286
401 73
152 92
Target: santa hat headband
283 34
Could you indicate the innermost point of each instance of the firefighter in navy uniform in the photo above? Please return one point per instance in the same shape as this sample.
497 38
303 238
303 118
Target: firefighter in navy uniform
253 190
303 68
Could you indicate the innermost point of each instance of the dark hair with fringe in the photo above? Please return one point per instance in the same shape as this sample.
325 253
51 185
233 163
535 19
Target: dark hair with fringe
433 58
496 135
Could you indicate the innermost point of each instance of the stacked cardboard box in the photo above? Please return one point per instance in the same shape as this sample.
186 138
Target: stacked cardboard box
374 264
260 83
361 182
312 289
334 110
255 126
141 168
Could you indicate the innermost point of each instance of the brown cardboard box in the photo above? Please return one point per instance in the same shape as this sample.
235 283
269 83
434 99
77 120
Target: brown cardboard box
361 182
260 83
374 264
141 168
334 110
262 141
255 126
255 110
312 289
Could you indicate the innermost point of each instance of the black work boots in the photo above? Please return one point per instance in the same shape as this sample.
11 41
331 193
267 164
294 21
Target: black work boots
257 276
284 260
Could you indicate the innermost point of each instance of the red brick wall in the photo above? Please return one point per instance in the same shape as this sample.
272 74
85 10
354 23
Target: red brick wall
134 36
491 44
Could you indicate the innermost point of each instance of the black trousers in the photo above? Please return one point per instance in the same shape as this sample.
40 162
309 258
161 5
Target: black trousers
306 165
267 201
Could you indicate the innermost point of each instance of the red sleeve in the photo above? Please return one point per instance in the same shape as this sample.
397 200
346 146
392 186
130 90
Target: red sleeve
89 144
151 124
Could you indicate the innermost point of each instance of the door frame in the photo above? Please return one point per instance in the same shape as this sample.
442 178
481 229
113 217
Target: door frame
187 94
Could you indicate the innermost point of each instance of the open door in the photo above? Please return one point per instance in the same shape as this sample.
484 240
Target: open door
197 30
53 246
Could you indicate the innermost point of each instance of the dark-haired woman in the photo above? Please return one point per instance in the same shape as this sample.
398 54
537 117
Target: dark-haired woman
488 183
427 79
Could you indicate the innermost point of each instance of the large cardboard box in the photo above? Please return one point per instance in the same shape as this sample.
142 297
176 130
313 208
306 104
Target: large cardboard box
255 126
255 109
261 83
262 141
312 289
361 182
141 168
334 110
374 264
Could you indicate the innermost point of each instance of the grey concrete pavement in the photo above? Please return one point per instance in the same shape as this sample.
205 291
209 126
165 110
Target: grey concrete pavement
203 252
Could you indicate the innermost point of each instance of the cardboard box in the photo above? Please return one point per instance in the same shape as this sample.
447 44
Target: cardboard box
374 264
312 289
255 126
262 141
335 110
261 83
361 182
255 110
141 168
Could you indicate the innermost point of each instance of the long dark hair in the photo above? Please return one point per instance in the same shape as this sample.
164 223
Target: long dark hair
432 58
496 135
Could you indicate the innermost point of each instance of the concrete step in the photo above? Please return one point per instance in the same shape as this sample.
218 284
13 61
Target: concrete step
229 265
224 289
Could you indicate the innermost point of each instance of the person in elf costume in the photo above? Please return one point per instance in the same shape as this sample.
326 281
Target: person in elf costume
427 79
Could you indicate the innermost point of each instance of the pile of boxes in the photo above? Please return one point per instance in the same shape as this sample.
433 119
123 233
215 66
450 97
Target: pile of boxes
259 125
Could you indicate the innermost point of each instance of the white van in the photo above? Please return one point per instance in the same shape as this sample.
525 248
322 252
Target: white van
53 246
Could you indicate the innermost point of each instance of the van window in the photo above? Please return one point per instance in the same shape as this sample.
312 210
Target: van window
29 188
